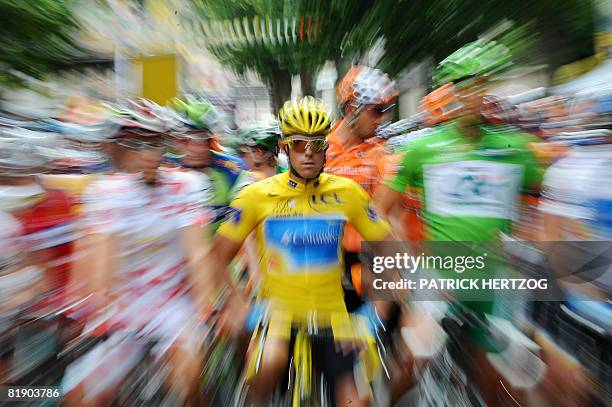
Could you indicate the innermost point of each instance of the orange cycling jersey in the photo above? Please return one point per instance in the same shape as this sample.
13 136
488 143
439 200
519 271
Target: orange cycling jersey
367 163
359 163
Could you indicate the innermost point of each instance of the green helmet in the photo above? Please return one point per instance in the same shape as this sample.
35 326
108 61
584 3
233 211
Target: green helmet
197 114
264 136
233 144
478 58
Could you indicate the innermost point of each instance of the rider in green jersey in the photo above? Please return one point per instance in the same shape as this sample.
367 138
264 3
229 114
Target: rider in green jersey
226 173
469 175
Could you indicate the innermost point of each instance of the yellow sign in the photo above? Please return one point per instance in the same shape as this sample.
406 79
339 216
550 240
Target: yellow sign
159 78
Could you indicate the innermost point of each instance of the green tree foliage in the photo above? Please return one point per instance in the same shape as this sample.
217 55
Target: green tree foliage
36 38
551 32
543 31
276 63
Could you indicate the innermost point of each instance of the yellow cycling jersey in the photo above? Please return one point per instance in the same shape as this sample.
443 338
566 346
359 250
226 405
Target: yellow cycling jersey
299 229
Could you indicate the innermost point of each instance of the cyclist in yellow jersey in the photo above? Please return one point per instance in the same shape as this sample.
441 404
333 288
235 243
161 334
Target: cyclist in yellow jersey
298 218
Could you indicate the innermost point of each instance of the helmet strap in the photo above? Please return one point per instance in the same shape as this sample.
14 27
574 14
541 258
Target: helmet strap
355 110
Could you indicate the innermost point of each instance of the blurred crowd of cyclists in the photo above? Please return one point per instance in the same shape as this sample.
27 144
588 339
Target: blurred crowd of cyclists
150 257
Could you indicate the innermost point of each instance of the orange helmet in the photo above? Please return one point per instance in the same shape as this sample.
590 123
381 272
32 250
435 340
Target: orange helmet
366 86
441 105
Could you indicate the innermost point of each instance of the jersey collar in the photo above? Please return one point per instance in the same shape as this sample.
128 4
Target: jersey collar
290 182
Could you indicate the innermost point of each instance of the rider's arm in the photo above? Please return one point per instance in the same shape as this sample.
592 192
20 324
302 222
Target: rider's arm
252 258
364 217
556 211
194 219
385 199
386 169
241 221
390 192
96 251
250 249
98 267
534 173
216 276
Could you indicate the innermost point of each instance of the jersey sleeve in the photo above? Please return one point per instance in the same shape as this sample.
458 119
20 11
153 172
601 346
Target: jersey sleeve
100 209
364 217
244 179
534 173
242 218
387 167
404 175
195 197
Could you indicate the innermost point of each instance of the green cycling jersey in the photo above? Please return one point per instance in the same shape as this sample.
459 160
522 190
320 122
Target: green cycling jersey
469 187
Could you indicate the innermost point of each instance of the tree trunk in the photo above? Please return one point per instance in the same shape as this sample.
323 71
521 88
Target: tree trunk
280 87
342 67
307 81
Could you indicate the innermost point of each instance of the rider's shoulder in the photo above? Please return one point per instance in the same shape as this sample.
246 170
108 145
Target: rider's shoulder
180 175
332 181
261 187
113 189
434 137
192 180
110 183
226 162
66 182
274 182
508 136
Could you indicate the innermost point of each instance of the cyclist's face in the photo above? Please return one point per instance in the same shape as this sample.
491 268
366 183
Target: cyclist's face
141 155
471 93
196 152
367 120
252 156
306 158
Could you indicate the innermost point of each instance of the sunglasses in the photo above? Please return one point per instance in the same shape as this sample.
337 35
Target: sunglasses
377 110
300 143
199 137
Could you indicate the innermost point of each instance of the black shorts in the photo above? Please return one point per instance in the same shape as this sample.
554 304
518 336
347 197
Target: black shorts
333 364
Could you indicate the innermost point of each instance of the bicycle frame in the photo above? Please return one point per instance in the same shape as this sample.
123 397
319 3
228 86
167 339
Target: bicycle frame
306 385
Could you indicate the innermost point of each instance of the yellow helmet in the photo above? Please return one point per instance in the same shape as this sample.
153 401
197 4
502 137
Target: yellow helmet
307 116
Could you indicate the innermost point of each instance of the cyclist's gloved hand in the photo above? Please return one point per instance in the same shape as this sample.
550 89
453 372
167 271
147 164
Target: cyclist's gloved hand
374 322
